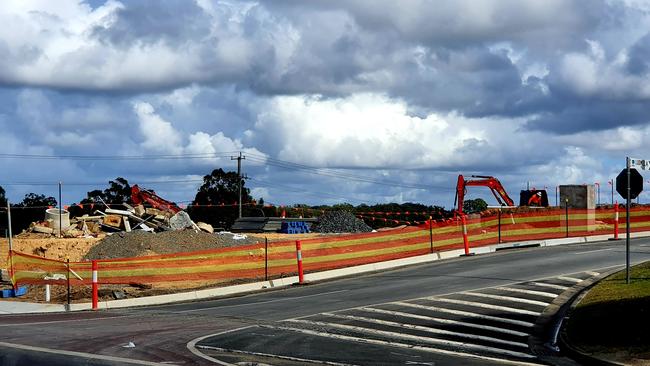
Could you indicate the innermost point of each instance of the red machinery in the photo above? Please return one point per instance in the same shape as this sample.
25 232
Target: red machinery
138 196
495 186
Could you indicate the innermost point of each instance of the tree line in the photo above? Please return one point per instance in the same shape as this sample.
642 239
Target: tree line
216 201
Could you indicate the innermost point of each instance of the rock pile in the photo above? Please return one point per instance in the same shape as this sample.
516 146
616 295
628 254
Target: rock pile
340 222
140 243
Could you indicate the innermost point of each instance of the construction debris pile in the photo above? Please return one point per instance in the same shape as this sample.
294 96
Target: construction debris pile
114 220
340 222
161 216
140 243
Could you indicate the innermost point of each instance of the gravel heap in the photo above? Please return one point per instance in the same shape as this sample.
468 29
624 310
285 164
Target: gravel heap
340 222
140 243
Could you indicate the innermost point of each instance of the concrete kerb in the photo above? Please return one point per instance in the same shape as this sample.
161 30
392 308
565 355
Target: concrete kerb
14 307
545 335
567 347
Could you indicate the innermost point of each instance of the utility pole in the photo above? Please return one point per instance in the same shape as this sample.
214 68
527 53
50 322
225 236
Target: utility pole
239 177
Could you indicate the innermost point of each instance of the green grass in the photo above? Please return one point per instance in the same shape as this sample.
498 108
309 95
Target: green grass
613 319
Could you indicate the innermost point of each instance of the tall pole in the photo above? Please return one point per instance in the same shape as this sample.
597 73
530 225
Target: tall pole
60 213
557 188
11 256
239 159
612 191
627 224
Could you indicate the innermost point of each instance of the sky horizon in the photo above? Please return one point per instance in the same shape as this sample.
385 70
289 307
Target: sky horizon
366 101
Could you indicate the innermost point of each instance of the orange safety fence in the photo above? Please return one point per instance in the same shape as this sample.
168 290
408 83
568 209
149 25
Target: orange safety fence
254 262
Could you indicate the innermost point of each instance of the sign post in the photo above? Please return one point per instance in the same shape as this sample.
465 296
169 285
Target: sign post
629 183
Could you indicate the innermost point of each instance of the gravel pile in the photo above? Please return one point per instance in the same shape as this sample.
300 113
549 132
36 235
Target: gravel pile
140 243
340 222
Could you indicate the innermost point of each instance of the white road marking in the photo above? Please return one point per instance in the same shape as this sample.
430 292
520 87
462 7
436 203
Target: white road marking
529 292
274 356
405 345
427 329
445 321
549 285
120 360
66 321
592 273
569 279
485 306
593 251
507 298
259 302
191 345
465 313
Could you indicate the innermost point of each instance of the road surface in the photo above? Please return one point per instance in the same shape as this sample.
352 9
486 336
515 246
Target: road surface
471 310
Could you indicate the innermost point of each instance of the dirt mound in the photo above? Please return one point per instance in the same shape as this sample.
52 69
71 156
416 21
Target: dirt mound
141 243
340 222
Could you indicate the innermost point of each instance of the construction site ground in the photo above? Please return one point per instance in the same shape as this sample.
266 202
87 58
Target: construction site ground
77 249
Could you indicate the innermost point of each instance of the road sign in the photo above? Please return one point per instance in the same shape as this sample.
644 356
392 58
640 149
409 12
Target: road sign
636 183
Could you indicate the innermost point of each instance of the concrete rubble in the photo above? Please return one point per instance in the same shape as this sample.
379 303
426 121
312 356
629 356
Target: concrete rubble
111 220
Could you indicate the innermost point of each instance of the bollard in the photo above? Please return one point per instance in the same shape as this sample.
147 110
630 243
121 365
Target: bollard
95 287
301 277
47 293
465 239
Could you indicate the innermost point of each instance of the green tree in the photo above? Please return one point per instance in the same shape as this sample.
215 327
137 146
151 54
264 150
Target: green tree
118 191
215 200
474 206
37 200
3 198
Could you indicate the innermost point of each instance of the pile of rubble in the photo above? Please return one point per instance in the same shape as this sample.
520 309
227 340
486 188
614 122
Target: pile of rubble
115 220
340 222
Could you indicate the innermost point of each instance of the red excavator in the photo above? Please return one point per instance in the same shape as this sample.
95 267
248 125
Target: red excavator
480 180
138 196
532 197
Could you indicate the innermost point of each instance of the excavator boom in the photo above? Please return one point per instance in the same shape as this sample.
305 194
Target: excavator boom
481 180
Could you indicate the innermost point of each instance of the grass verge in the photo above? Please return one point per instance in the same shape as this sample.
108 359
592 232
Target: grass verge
612 321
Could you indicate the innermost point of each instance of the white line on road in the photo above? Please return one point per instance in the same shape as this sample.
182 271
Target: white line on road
403 345
67 321
485 306
569 279
191 345
524 291
427 329
593 251
548 285
260 302
592 273
465 313
120 360
218 349
445 321
507 298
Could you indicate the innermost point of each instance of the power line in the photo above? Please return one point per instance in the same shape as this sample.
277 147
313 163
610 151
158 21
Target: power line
118 157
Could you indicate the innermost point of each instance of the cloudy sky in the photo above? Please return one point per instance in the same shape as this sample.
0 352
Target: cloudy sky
360 101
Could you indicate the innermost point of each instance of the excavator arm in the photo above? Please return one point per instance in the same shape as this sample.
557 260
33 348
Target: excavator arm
138 196
480 180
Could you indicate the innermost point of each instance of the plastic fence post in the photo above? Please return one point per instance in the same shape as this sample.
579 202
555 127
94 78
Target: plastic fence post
499 218
616 221
465 239
301 276
68 281
95 286
266 259
431 233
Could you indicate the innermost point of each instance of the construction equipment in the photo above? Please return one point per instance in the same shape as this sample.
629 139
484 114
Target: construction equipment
139 196
533 197
480 180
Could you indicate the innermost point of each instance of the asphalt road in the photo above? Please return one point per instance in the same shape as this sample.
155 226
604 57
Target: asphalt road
348 321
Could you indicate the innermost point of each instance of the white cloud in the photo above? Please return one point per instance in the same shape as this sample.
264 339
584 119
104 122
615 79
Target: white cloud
370 130
159 135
